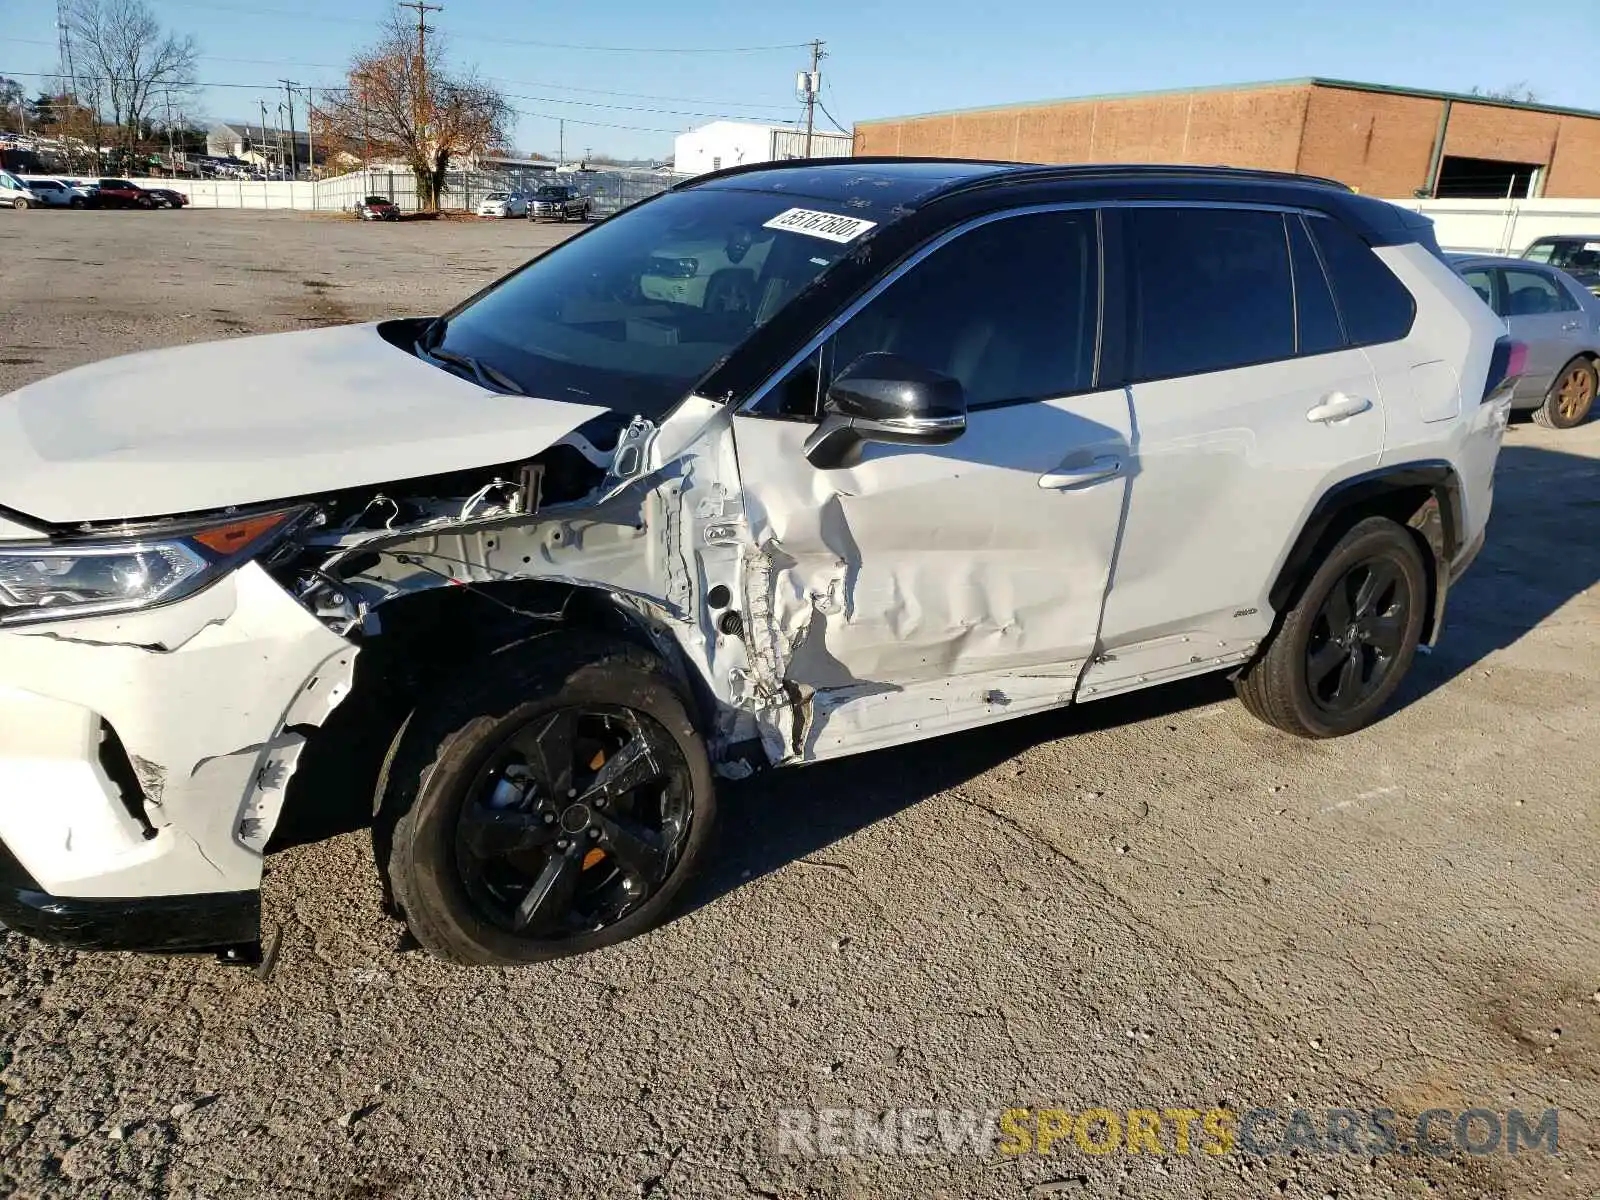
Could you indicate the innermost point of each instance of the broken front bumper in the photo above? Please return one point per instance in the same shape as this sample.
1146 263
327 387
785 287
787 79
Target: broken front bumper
144 760
206 921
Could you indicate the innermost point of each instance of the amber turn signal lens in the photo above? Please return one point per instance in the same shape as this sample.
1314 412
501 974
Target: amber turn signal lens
230 539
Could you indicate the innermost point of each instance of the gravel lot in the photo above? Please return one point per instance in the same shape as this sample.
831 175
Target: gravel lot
1153 902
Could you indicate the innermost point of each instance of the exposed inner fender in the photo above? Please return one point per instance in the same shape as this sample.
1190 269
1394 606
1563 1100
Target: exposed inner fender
1423 496
429 584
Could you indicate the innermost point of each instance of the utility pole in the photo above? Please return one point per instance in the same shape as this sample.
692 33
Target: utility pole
813 85
561 142
311 136
265 162
424 110
294 158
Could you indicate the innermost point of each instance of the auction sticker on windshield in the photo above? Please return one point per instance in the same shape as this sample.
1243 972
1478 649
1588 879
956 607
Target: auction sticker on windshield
827 225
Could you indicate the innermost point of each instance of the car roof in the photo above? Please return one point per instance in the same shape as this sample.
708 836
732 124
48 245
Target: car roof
892 187
1566 237
1497 260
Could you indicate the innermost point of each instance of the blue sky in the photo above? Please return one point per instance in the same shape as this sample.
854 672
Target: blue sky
888 58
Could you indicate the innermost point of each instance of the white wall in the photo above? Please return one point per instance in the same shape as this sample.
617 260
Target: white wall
1504 227
734 143
721 144
338 194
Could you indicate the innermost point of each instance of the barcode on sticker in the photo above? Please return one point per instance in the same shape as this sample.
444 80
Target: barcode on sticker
812 223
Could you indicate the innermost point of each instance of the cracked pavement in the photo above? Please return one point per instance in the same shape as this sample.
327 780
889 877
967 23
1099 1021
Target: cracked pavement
1152 901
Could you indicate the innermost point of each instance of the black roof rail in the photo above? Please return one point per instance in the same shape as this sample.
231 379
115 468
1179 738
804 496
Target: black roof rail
1047 171
1004 171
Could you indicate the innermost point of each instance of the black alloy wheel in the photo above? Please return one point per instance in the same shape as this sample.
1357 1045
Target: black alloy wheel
1343 645
577 821
1357 635
552 798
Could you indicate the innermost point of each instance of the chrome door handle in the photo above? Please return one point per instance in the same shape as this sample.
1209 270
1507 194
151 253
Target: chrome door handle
1064 477
1337 407
1571 325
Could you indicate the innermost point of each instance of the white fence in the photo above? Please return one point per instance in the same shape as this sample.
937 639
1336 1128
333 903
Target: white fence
338 194
608 191
1502 226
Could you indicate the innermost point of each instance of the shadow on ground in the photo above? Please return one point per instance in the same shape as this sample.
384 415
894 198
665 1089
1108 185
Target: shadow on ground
1542 550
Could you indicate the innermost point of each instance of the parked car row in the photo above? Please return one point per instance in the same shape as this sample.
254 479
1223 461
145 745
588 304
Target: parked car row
52 191
552 202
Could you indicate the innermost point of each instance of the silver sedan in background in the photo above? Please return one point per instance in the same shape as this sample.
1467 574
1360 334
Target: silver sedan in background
1559 321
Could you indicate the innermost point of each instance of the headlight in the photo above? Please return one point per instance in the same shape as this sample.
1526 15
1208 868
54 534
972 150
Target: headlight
86 577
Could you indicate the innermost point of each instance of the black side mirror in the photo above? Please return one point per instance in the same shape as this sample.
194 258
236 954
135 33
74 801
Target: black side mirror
882 397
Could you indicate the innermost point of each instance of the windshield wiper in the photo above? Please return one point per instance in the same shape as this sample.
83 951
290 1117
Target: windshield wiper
492 378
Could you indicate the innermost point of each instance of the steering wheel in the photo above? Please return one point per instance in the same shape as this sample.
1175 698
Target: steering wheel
730 291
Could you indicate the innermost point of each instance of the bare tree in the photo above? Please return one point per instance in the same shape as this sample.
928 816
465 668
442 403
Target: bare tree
126 61
13 104
399 103
1518 92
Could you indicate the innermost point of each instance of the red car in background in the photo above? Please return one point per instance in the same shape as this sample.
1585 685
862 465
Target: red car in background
378 208
119 193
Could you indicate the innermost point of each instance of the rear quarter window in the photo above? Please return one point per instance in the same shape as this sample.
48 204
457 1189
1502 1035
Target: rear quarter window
1375 305
1212 290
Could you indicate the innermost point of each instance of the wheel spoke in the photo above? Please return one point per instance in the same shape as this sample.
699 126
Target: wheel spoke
1349 677
1324 661
1381 577
491 832
549 746
551 894
638 850
634 765
1386 633
1337 607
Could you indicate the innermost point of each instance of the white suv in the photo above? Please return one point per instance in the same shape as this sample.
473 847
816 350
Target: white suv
788 463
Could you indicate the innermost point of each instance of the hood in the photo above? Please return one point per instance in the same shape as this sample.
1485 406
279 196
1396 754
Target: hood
251 420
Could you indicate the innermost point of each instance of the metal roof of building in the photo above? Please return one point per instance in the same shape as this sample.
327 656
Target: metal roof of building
1346 85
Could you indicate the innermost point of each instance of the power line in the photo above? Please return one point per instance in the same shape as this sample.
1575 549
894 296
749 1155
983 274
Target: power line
500 79
302 15
273 87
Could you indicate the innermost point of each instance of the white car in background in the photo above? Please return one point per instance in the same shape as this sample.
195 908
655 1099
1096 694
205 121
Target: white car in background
503 204
16 194
54 193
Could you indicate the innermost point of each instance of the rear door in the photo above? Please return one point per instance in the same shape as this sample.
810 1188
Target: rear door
1248 403
1543 315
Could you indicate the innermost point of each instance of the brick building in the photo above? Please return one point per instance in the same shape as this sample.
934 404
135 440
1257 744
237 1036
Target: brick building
1385 141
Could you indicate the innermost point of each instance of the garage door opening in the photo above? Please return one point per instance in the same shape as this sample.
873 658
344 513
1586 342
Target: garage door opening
1486 179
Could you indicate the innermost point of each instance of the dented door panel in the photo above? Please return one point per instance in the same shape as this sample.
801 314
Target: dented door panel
924 565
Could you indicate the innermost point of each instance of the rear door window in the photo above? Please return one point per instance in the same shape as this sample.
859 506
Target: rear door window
1211 289
1374 304
1532 294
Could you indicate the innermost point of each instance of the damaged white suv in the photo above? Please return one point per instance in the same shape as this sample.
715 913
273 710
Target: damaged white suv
789 463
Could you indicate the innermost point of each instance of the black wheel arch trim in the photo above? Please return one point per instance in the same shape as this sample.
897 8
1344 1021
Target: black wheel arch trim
1438 522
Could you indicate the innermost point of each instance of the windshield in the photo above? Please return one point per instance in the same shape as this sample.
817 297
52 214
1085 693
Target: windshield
552 193
632 313
1574 255
498 196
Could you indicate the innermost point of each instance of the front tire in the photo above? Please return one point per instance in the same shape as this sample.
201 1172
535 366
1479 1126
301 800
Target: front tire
19 204
1570 398
554 802
1347 642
